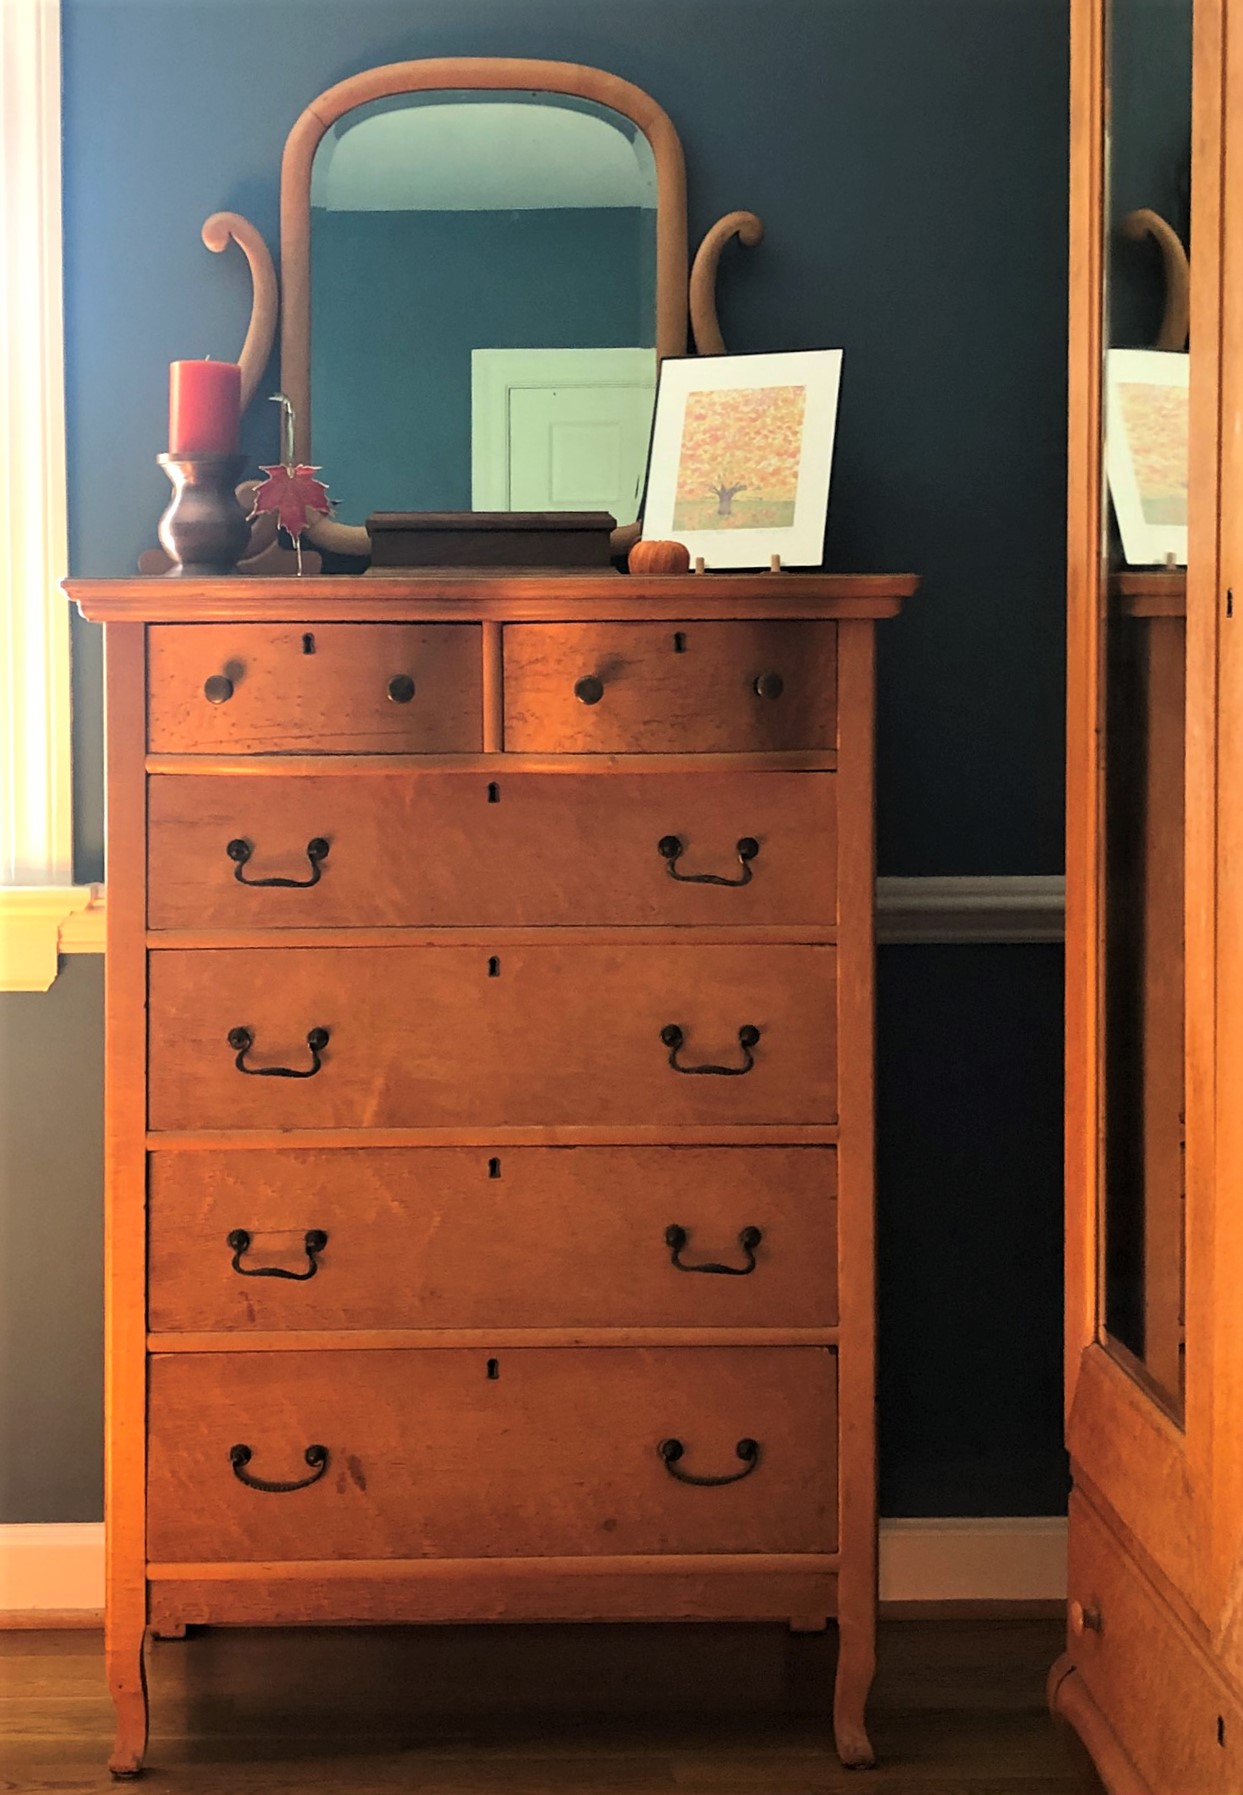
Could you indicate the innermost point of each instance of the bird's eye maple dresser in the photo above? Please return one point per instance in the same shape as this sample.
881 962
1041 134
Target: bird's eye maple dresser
490 994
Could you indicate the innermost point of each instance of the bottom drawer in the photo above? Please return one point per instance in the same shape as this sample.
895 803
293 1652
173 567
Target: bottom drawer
530 1452
1143 1672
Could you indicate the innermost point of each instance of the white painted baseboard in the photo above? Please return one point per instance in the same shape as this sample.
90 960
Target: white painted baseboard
53 1565
60 1567
1011 1558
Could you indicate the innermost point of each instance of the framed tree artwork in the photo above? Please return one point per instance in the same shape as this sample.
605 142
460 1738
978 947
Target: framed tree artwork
1146 452
742 446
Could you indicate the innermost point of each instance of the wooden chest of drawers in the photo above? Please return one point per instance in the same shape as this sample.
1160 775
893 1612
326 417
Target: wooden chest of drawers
489 1105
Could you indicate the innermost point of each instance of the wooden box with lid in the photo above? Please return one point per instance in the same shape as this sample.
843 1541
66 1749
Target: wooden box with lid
490 996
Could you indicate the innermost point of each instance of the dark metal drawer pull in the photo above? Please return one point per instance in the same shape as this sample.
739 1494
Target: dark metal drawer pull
669 847
241 1041
240 851
748 1035
769 685
401 688
218 688
589 689
671 1451
314 1242
316 1456
676 1238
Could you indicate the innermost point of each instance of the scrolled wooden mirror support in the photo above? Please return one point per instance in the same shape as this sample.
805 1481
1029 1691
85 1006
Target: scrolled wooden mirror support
679 296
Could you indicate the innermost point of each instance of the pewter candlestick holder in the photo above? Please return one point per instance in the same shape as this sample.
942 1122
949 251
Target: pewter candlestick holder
204 530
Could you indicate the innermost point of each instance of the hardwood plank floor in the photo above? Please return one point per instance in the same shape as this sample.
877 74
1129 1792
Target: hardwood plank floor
958 1710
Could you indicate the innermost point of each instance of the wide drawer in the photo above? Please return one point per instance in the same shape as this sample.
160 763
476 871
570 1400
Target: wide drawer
360 688
649 688
1142 1671
443 848
458 1036
528 1452
457 1237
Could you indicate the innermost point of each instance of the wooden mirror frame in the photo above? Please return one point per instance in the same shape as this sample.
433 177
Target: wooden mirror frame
447 73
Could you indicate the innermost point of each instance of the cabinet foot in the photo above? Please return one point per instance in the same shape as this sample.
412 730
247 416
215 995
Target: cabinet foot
127 1684
856 1666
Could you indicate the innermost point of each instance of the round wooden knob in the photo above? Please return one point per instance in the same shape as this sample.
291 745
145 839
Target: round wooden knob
1084 1620
589 690
769 685
401 688
218 689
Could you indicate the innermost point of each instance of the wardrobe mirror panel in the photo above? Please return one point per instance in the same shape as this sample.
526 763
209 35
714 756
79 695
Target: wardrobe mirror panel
1143 635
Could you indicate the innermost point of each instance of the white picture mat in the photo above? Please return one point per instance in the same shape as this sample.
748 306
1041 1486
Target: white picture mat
1144 542
819 371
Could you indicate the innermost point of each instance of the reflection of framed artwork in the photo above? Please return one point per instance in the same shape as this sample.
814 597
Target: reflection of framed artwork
741 451
1146 452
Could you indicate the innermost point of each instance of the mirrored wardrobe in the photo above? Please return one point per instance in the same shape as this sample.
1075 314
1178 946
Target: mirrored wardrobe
1152 1679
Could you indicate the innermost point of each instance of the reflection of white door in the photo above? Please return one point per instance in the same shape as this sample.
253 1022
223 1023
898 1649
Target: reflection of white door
561 429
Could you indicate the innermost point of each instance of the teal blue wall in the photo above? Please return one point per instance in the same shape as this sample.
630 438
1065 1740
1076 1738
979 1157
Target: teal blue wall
909 160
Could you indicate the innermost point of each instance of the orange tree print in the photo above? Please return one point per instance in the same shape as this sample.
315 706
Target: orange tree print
739 461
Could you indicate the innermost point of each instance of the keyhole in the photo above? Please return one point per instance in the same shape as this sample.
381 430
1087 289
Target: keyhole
494 792
494 967
1221 1729
494 1168
308 643
494 1370
1230 602
679 642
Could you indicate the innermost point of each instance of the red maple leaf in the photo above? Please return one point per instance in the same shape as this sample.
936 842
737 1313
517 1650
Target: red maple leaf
291 492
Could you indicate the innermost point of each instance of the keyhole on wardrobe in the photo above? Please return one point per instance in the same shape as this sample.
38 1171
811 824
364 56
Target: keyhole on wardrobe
308 643
494 1168
494 792
679 642
494 1370
494 966
1221 1729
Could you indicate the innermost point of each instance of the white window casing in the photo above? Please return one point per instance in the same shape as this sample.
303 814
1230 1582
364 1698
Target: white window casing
37 896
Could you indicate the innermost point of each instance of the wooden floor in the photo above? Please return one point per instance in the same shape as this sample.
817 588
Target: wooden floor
958 1710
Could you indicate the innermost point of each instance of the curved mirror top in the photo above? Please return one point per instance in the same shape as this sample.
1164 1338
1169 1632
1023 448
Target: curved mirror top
483 304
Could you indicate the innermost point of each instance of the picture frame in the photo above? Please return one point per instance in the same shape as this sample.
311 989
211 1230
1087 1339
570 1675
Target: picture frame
726 426
1146 453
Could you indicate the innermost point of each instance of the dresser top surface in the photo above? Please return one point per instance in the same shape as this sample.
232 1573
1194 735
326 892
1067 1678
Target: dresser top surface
535 598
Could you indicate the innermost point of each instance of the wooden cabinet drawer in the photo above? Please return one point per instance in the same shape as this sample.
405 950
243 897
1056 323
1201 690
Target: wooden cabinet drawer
655 688
528 1452
458 1036
458 1237
1141 1669
443 848
362 688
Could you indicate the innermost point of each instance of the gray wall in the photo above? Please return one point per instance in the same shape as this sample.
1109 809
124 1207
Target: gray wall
909 159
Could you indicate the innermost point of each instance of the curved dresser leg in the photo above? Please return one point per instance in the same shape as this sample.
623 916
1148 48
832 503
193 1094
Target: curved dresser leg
856 1666
127 1684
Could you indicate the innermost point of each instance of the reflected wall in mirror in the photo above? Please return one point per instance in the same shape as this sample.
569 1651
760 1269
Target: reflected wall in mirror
1143 636
483 304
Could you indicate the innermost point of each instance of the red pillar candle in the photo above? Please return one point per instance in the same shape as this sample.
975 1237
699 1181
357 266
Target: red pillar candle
204 407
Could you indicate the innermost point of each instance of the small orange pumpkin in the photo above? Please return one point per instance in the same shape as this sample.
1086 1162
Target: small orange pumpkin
659 558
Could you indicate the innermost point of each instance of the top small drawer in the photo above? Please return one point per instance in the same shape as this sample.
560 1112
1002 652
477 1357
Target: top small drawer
357 688
657 688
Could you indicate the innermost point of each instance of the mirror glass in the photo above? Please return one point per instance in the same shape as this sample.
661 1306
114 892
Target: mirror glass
1143 635
483 305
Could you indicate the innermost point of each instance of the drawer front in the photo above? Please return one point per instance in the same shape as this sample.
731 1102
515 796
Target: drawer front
455 1036
449 848
1143 1672
459 1237
364 688
655 688
530 1452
